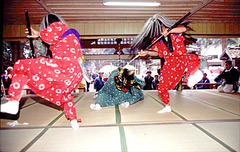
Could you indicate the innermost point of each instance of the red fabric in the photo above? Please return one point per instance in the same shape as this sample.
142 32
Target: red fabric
52 79
175 65
124 89
105 79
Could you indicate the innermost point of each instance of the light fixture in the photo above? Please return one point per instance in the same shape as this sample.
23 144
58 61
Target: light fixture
127 3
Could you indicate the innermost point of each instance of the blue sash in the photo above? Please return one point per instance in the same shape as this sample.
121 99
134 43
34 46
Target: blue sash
72 31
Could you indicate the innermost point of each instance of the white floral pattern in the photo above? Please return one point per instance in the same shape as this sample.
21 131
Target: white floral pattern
49 78
174 65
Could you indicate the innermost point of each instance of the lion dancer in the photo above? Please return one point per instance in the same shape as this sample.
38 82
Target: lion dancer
172 48
51 78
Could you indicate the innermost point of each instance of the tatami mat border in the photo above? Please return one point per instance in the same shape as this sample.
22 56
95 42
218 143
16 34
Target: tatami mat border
200 128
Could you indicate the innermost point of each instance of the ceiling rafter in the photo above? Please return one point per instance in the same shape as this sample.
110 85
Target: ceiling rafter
45 6
94 11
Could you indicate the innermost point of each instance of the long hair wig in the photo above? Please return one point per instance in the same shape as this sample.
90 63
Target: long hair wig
46 21
151 30
49 19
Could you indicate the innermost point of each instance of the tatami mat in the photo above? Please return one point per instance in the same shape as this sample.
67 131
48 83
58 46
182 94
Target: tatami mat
15 140
201 120
191 106
145 111
215 92
85 139
89 117
169 138
220 100
36 114
228 133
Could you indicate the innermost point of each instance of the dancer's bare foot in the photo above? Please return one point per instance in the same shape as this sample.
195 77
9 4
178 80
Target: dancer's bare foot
165 109
74 125
95 107
95 96
124 105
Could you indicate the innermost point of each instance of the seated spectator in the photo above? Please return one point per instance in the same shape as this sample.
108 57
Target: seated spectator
88 79
98 83
148 81
204 80
2 89
159 73
230 78
218 80
155 82
7 79
94 76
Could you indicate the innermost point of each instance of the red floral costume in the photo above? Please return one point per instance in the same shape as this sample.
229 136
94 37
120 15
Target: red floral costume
175 65
52 79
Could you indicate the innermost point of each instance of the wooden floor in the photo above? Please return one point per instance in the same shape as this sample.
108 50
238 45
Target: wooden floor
201 120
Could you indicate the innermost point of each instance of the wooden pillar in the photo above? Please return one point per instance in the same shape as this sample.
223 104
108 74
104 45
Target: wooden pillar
118 49
224 46
16 50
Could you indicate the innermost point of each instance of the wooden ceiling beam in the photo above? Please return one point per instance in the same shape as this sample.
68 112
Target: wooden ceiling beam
163 2
217 9
146 16
45 6
94 11
177 13
117 12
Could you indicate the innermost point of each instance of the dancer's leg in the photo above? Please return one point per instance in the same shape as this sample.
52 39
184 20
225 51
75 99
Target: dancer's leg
69 107
171 74
16 87
11 104
165 99
70 111
228 88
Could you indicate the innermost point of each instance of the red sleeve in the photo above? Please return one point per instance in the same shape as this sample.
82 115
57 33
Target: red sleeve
53 32
157 45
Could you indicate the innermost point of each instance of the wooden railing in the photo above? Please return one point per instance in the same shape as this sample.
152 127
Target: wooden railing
210 84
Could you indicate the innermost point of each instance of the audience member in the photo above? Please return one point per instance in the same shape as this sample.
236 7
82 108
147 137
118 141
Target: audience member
204 80
155 82
98 83
94 76
7 79
230 78
218 80
159 73
3 73
88 79
2 89
148 81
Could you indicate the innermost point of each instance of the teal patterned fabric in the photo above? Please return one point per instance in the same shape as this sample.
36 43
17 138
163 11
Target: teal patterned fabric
109 95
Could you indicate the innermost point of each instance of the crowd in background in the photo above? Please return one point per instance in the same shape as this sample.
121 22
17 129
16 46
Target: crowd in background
229 76
226 81
6 79
95 78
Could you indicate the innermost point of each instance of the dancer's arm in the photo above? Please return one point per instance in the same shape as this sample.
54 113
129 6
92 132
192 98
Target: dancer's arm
150 53
35 33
